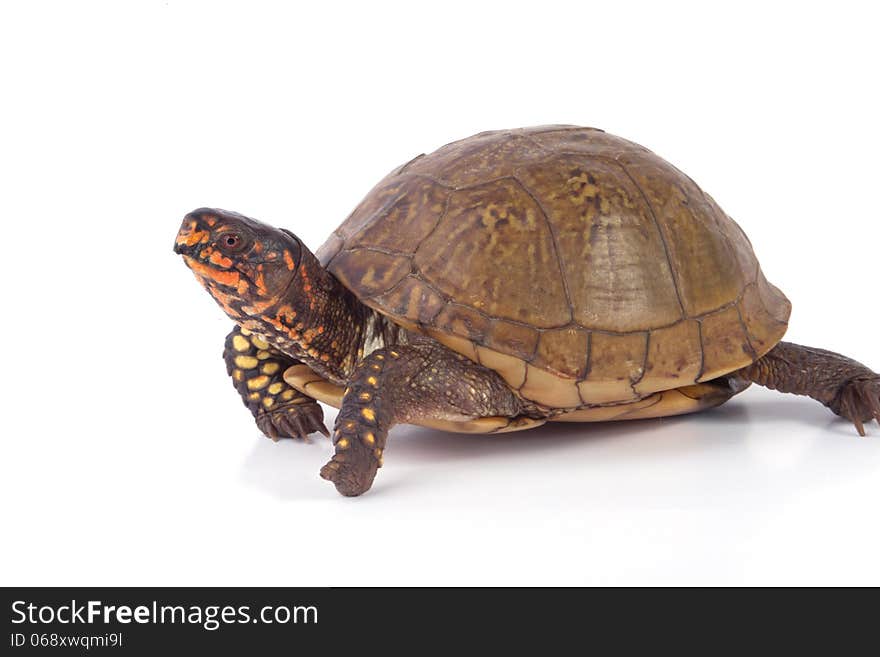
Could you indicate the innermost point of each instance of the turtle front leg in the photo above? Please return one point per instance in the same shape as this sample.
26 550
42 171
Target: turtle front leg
847 387
256 370
422 380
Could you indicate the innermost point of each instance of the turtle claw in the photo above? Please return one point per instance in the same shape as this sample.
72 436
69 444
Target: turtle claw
859 427
859 401
294 421
268 428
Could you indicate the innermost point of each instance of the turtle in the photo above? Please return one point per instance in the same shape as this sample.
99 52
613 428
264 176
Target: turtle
554 273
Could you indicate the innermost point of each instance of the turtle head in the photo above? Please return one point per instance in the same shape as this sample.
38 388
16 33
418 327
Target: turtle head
244 264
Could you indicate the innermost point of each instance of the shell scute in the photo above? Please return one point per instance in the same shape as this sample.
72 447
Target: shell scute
493 251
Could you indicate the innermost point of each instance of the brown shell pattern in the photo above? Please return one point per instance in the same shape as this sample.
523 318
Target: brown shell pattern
580 266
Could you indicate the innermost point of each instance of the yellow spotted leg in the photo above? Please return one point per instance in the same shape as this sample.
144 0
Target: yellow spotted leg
257 370
415 383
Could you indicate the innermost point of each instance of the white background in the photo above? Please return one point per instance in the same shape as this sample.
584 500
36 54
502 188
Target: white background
127 458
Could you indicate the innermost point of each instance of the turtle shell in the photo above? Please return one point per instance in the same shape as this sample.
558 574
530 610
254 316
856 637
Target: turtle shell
582 267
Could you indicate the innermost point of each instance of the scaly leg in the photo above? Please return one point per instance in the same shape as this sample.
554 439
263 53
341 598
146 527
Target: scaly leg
847 387
256 370
400 384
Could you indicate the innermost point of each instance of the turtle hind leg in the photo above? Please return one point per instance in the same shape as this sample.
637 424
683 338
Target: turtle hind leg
844 385
279 410
408 384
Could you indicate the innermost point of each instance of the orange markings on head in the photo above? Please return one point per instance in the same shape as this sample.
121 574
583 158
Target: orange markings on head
186 233
210 221
257 307
193 237
261 282
219 259
230 278
242 287
258 247
288 260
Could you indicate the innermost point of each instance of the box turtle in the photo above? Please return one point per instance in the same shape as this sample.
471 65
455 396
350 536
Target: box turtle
515 277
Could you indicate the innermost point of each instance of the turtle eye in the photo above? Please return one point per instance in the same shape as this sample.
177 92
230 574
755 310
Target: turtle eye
231 242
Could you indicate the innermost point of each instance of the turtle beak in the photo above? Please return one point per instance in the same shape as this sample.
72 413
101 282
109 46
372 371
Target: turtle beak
193 233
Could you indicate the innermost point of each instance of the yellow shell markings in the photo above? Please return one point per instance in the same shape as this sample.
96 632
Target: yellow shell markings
561 229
